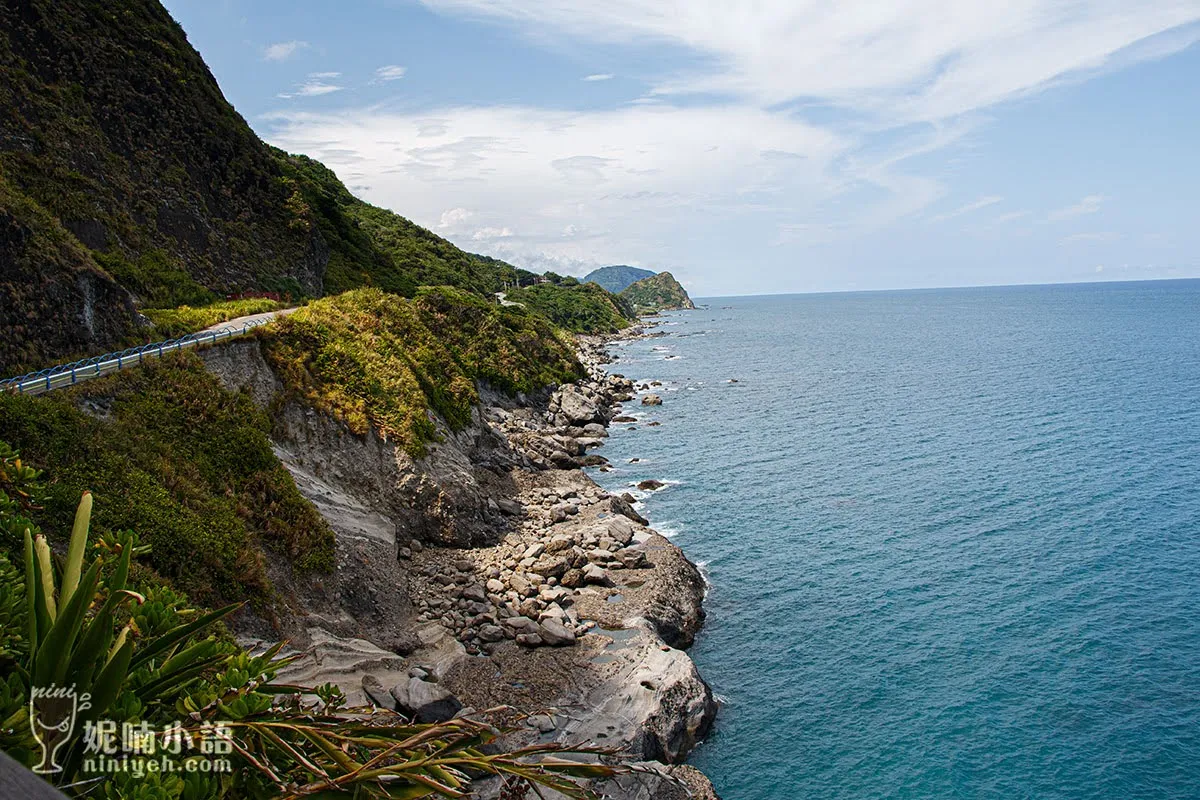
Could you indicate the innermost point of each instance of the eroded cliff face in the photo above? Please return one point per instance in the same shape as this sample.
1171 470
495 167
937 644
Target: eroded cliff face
492 569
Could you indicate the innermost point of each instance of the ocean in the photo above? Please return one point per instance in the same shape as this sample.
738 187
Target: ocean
952 536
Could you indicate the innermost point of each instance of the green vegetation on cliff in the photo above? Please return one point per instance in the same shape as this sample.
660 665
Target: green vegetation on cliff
659 292
172 454
378 360
577 307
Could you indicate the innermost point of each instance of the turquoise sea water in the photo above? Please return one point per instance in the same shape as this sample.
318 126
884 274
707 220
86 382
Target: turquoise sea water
953 537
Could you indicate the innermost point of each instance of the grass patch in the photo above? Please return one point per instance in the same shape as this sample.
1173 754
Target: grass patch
172 322
170 453
375 359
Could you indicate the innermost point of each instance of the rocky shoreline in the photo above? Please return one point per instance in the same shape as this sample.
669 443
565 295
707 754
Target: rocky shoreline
514 579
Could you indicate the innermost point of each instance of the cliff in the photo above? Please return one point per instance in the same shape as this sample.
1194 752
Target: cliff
659 292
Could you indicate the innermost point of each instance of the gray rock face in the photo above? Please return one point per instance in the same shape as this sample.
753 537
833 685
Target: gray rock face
663 706
425 701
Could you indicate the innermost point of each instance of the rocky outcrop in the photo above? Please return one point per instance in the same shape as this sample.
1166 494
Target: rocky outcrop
505 575
659 292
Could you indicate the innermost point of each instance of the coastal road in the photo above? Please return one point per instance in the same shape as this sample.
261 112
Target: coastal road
63 375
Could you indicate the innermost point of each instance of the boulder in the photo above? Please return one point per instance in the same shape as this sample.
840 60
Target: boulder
510 507
631 557
554 633
651 400
623 505
491 633
596 575
576 407
425 702
620 529
560 542
650 485
522 624
550 566
378 694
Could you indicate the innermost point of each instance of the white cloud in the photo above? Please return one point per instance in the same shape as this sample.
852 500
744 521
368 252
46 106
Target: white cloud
315 86
391 72
601 185
975 205
916 60
1088 205
487 234
452 217
282 51
600 76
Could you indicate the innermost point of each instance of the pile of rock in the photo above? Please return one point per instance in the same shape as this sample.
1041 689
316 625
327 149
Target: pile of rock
525 588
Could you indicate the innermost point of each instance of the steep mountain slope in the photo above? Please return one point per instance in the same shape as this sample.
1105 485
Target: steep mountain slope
659 292
112 123
616 278
128 181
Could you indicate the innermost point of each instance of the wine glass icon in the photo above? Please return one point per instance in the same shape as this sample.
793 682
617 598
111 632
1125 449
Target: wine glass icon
51 721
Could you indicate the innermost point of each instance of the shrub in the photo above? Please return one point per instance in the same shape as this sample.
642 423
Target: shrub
172 454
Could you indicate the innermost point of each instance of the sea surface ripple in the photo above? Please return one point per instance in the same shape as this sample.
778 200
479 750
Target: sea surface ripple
953 536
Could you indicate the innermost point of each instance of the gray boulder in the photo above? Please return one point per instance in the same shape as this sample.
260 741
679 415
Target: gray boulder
577 408
554 633
377 693
425 702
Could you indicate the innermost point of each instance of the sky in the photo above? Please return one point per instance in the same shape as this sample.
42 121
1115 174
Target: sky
748 147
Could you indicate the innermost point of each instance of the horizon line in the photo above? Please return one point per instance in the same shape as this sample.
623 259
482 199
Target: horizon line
958 286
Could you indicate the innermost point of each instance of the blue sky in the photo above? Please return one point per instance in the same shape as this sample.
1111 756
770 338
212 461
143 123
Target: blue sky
783 145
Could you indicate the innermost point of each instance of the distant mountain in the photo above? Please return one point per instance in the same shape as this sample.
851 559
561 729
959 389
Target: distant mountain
659 292
616 278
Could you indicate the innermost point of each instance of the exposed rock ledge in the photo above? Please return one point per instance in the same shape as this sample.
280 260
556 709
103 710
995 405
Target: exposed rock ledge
497 570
